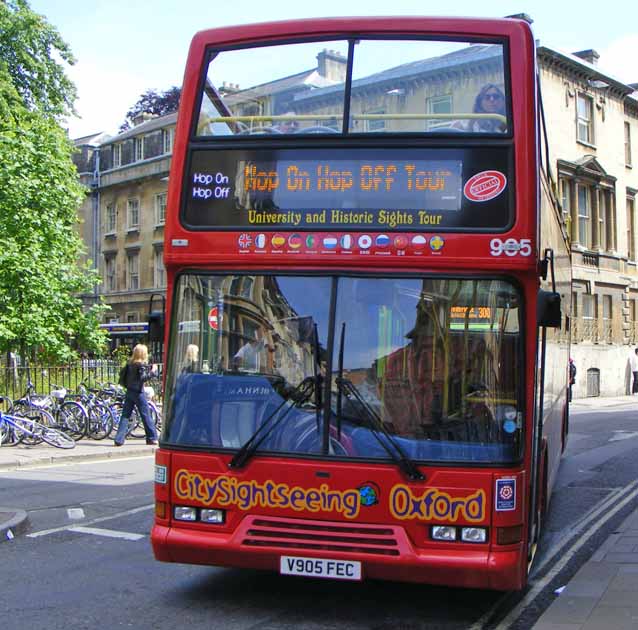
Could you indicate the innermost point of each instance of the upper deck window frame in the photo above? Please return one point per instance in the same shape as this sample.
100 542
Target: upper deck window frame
352 39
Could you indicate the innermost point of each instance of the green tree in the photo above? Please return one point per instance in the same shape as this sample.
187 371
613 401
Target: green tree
40 273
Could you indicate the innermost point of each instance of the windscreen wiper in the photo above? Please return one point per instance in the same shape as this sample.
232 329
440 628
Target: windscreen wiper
299 395
389 444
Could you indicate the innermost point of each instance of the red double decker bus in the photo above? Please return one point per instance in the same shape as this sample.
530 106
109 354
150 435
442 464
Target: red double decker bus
367 306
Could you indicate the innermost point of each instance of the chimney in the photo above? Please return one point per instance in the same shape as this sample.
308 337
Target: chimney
228 88
590 56
331 65
521 16
142 118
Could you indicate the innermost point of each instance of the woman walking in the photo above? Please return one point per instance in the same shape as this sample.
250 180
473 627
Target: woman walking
133 376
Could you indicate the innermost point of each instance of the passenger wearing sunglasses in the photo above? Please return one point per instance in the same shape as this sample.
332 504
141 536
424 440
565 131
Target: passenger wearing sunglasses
490 100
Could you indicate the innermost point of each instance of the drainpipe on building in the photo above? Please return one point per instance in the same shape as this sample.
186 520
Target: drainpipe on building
95 185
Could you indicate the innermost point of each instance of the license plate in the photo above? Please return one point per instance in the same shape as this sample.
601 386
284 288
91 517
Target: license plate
320 567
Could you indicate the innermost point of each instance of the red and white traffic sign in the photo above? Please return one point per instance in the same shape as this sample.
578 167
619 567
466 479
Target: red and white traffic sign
213 318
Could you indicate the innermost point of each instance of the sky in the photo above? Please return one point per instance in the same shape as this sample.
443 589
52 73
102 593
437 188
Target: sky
125 47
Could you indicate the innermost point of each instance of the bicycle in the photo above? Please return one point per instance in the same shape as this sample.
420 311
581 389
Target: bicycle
70 416
17 428
101 416
113 396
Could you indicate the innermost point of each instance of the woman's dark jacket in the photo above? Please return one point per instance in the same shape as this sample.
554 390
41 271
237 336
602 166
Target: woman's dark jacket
136 375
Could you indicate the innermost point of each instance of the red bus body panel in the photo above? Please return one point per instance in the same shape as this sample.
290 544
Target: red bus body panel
389 548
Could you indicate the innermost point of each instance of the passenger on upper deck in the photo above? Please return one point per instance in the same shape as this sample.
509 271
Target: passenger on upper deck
490 100
288 125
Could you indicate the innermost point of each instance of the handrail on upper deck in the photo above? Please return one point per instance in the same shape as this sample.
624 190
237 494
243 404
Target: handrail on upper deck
315 117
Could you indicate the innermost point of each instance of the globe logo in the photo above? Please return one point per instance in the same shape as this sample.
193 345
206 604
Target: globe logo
369 494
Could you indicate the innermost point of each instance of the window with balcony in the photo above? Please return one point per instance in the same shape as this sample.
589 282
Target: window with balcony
133 271
160 209
589 321
133 214
159 273
607 319
585 119
565 199
584 216
627 144
110 219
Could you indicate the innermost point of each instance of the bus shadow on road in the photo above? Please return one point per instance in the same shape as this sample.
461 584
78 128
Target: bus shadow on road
275 601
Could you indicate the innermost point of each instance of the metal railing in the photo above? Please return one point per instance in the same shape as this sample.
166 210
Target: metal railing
93 372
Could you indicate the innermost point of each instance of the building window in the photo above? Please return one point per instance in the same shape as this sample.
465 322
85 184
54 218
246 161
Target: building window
627 144
585 119
167 139
138 148
584 216
375 124
159 274
131 317
631 228
438 105
133 272
133 214
160 209
565 199
117 155
110 274
247 287
111 217
589 317
607 318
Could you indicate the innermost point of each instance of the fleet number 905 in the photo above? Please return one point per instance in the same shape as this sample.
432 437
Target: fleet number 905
511 247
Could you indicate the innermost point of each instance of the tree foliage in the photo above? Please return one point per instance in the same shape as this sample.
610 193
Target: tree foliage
40 274
153 102
27 46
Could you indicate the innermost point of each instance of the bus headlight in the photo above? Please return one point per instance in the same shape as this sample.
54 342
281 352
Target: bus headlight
443 532
212 516
474 534
184 513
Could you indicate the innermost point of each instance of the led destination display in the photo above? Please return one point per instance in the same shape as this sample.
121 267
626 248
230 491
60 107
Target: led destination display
349 189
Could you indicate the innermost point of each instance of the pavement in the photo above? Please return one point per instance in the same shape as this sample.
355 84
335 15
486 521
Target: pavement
602 595
13 521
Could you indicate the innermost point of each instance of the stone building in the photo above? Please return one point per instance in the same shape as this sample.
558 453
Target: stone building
591 120
123 214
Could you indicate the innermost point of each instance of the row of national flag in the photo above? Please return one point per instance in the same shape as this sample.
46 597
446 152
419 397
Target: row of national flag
346 241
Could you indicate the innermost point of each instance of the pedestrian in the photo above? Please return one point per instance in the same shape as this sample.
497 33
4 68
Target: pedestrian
572 376
133 376
633 360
